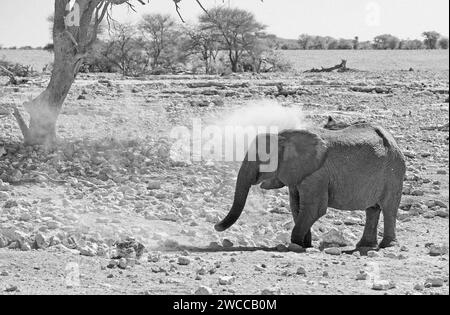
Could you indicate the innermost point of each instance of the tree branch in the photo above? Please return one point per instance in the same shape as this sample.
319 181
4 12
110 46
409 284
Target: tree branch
21 122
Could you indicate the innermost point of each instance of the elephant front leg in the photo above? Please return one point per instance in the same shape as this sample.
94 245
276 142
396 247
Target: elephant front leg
313 205
294 200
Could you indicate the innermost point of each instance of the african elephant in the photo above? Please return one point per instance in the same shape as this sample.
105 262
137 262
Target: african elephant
357 168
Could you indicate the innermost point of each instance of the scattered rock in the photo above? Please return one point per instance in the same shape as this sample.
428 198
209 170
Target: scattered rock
442 213
87 251
362 276
154 257
282 248
434 282
301 271
383 285
438 250
419 287
25 247
295 248
203 290
184 261
335 237
123 263
129 248
312 250
227 280
153 185
226 243
271 291
113 264
11 288
4 196
373 254
40 241
335 251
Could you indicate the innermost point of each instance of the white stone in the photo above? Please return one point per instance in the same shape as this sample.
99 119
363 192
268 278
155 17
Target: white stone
271 291
184 261
227 280
203 290
383 285
335 251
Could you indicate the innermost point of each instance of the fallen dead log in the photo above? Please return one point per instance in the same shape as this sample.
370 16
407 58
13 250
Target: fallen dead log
342 67
12 79
371 89
332 124
284 92
197 85
436 128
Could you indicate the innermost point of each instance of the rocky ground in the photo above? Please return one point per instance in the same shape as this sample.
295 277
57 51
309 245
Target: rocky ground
109 211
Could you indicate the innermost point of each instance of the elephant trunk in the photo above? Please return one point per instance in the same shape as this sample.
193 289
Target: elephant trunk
247 177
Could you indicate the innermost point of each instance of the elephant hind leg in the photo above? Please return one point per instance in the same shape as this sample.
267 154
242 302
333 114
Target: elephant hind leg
390 212
369 238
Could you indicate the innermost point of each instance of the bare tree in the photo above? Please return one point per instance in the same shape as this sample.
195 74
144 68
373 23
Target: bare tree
204 43
237 27
76 25
124 50
156 29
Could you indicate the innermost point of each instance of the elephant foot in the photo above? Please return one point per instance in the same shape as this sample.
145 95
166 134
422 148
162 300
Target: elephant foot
306 242
367 244
388 242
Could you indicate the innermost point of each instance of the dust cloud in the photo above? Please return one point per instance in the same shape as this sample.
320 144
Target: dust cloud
265 113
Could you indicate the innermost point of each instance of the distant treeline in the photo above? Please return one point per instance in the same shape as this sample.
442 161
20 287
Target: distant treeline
22 48
431 40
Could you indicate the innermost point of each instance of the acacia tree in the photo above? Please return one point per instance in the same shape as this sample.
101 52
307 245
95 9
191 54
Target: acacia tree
237 27
386 41
156 29
431 39
75 29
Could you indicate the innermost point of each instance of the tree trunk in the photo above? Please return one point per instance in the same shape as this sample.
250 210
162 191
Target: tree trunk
72 42
45 109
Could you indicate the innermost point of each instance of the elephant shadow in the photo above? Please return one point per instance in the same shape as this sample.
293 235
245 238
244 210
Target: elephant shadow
197 249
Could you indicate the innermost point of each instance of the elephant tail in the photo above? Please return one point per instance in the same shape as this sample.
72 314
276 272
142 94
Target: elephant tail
247 177
396 156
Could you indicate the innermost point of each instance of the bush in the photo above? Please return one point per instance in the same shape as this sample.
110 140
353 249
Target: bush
412 44
443 43
275 62
49 47
18 70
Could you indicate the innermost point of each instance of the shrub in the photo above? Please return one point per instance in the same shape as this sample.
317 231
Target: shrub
17 69
443 43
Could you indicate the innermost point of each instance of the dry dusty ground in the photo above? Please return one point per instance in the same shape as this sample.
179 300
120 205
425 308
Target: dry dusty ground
118 182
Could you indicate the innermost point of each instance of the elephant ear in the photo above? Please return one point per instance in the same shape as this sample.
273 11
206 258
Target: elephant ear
301 154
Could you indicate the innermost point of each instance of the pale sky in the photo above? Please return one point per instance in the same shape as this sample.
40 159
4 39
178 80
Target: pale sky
23 22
